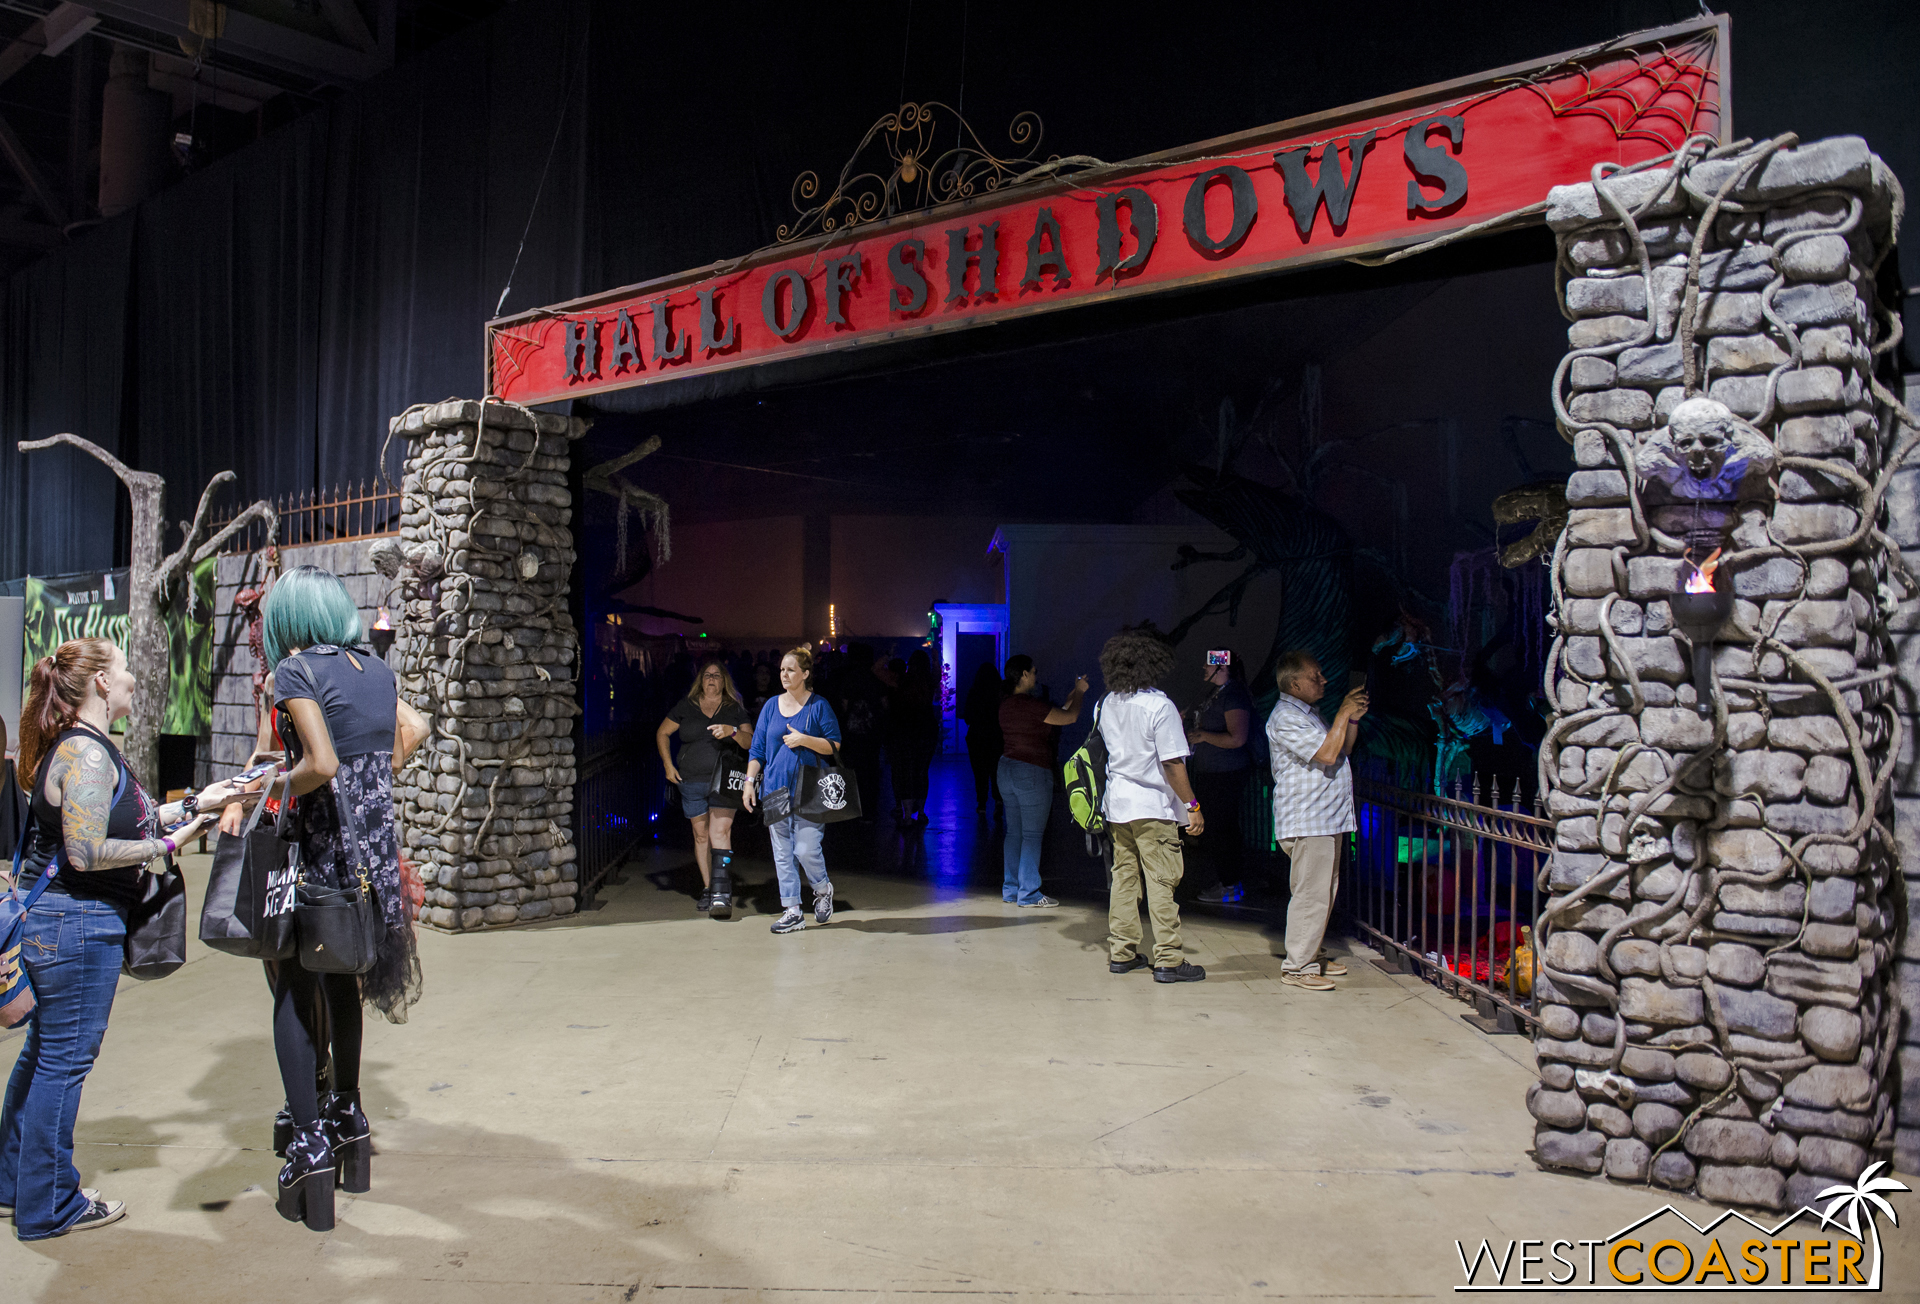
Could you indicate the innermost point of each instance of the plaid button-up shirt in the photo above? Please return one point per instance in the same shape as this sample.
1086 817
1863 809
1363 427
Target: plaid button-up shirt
1309 800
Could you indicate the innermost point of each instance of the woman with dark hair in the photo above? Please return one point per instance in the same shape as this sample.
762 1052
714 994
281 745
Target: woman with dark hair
981 711
1147 800
348 733
92 823
1028 727
707 718
1222 734
913 732
794 729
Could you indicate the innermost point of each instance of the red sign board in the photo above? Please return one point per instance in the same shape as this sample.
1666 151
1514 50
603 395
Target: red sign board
1353 182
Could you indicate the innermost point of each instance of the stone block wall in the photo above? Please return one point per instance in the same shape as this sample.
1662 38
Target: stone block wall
1715 1006
488 652
235 720
1903 527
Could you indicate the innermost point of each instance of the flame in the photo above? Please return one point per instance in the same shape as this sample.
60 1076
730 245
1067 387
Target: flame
383 620
1701 581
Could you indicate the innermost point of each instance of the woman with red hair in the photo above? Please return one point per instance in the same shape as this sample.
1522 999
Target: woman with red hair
91 828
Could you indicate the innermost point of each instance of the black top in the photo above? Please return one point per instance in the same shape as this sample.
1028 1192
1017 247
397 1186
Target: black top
356 692
1208 759
133 817
698 750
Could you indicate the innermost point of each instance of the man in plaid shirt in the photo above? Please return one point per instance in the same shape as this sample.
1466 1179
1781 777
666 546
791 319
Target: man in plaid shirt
1312 808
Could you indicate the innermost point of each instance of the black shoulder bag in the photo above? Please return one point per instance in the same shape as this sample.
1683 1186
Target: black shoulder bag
338 929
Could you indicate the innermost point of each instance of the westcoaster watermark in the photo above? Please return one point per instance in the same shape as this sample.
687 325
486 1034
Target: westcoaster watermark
1804 1251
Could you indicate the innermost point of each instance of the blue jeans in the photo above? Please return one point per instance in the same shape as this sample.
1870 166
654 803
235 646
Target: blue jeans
796 846
1027 791
73 950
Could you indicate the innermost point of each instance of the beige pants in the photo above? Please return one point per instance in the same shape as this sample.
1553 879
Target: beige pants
1315 880
1149 850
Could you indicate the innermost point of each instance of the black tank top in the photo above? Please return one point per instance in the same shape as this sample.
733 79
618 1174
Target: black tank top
135 816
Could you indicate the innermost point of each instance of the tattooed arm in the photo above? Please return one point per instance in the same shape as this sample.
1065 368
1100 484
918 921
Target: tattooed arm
85 777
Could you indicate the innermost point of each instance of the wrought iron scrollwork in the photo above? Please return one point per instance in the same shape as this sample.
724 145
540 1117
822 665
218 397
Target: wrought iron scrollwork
902 164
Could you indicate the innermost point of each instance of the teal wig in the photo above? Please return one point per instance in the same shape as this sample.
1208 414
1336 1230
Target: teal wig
306 607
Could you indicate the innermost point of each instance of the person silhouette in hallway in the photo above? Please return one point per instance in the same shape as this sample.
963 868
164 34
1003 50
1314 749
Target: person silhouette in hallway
1028 727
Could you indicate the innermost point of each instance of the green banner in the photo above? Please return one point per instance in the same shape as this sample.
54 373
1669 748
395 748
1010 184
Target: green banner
93 604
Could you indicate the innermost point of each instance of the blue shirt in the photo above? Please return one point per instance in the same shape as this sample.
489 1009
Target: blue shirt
779 763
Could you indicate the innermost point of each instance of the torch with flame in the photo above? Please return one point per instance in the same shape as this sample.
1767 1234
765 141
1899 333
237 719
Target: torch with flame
382 633
1701 580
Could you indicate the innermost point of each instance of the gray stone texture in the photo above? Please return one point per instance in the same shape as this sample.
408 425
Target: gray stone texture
1765 954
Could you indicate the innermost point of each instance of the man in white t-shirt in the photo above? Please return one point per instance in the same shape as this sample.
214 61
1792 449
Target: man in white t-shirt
1312 808
1146 802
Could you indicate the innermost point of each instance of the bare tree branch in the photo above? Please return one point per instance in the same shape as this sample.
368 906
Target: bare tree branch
260 511
128 476
601 477
170 568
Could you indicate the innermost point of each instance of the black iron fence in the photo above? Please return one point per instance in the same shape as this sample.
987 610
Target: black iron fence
1448 887
615 806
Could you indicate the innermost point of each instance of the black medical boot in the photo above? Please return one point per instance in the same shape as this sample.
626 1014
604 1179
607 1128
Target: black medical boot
720 899
351 1137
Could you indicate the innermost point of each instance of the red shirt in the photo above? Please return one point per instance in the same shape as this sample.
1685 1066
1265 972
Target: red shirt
1023 723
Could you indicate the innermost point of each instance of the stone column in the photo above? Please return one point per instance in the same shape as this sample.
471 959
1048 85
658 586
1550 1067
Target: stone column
488 652
1715 1012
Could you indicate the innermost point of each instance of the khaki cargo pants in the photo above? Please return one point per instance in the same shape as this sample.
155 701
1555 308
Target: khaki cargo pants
1150 850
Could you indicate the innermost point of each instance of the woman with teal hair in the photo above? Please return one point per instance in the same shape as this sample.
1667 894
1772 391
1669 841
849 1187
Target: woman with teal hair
347 733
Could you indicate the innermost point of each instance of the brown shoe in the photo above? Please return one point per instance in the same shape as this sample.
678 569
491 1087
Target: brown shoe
1313 982
1332 969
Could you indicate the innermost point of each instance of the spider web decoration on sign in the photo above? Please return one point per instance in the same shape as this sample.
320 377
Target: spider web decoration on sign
512 349
1653 95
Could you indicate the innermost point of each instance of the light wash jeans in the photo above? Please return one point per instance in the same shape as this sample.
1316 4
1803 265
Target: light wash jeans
72 949
796 846
1027 792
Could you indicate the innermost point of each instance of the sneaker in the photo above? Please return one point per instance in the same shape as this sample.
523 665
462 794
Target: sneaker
99 1213
1313 982
823 904
701 902
6 1210
791 921
1221 896
1128 965
1042 903
1184 972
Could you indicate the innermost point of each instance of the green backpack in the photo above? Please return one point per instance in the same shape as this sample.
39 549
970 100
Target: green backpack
1086 781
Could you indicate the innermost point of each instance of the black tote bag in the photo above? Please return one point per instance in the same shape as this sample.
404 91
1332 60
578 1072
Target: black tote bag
827 793
157 926
249 907
729 778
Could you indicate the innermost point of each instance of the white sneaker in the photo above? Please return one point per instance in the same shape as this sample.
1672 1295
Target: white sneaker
99 1213
1044 903
792 921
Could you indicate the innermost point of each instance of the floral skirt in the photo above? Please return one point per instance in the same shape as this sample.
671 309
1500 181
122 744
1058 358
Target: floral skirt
365 784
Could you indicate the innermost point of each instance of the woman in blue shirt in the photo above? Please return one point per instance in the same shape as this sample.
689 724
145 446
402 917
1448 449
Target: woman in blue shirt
795 729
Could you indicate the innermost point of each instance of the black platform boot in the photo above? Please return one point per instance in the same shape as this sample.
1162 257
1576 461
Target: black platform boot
352 1140
720 899
282 1130
306 1183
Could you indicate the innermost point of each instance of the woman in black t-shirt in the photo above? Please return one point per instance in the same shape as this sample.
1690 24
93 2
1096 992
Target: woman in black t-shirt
347 733
707 719
1220 730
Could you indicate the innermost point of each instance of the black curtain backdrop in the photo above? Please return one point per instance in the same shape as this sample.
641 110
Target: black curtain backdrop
271 313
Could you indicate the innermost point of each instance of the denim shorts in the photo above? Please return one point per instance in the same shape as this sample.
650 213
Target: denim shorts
693 798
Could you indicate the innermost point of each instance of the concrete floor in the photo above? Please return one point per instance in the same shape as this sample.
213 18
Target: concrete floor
936 1094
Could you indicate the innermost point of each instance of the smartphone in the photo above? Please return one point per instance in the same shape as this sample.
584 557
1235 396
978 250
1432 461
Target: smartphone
1219 657
253 772
1356 679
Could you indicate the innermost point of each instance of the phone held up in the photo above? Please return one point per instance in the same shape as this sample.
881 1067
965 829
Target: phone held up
1219 658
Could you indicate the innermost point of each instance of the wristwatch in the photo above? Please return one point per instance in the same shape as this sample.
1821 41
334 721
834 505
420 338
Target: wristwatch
190 804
